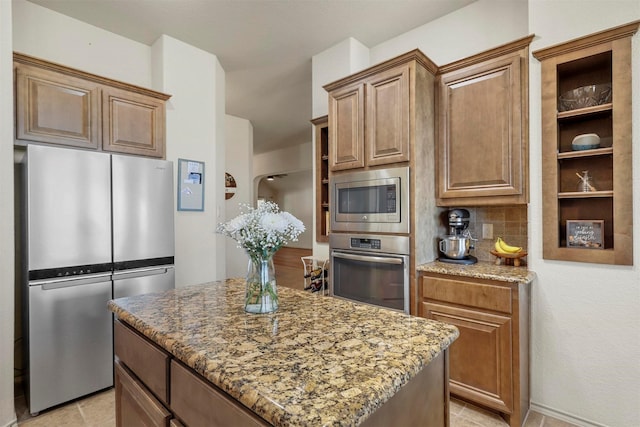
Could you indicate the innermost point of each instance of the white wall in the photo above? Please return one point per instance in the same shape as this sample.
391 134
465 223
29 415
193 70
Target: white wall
42 33
479 26
239 163
7 413
298 201
292 195
291 160
194 118
346 57
585 318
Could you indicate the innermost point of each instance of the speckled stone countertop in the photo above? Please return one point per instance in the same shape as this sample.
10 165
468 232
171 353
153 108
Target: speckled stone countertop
481 270
317 361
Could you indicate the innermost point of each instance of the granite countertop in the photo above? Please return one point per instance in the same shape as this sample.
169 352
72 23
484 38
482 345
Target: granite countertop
481 270
317 361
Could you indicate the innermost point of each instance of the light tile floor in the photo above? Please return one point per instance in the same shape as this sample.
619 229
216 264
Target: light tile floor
98 410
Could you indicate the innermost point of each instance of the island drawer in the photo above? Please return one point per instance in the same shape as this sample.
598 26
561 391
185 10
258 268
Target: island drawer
477 293
135 406
147 361
198 403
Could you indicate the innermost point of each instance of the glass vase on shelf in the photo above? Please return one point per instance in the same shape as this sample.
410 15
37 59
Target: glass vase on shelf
261 294
585 184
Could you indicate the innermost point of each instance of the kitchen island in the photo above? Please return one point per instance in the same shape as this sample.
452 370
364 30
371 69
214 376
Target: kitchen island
317 361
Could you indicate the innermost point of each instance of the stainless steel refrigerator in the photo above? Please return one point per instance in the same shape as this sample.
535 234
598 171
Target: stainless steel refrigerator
95 226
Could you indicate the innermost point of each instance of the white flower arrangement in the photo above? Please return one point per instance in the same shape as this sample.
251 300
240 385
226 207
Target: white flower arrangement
263 230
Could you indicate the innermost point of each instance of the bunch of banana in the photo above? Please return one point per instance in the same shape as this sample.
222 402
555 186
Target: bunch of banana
503 248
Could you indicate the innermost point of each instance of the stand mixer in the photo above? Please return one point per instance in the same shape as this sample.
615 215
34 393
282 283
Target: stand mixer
455 247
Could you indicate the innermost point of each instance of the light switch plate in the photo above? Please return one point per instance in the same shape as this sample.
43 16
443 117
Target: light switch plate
487 231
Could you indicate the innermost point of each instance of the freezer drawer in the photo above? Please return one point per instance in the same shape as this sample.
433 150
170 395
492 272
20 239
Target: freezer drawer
70 349
143 281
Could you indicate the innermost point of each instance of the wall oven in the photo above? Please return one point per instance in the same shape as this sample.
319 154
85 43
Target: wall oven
373 269
374 201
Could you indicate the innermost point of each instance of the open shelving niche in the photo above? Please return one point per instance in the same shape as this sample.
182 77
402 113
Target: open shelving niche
596 59
321 128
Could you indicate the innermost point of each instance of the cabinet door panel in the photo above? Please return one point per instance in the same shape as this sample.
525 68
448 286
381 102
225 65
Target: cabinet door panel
481 358
346 125
482 136
133 123
387 130
54 108
135 406
482 147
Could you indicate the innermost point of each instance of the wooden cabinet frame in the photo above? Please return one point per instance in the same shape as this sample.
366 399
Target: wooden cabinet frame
597 58
321 131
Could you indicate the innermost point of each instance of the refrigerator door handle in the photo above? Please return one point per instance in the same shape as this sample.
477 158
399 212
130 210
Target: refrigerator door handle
148 271
66 282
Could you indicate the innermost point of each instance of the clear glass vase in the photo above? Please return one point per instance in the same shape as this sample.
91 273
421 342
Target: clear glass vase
261 294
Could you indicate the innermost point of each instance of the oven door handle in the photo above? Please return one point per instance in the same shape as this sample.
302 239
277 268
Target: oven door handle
368 258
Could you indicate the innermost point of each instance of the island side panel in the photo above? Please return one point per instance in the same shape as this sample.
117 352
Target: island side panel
423 401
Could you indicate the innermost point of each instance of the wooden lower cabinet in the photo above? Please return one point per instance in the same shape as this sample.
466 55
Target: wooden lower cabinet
198 403
489 362
135 405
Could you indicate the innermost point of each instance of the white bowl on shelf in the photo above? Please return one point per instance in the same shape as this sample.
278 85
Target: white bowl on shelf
585 141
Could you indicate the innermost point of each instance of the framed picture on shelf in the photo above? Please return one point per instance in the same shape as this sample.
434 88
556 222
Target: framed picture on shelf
585 234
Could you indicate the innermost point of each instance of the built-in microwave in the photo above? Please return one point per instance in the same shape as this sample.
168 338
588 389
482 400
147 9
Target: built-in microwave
374 201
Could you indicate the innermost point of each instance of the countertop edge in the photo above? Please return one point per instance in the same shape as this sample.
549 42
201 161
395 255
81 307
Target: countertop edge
481 270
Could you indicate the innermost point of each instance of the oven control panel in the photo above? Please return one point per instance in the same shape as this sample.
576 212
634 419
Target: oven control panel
360 243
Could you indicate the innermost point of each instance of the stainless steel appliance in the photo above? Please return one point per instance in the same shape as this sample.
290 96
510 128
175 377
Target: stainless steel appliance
374 201
143 233
372 269
70 243
456 245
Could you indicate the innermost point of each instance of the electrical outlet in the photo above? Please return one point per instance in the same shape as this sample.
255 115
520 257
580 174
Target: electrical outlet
487 231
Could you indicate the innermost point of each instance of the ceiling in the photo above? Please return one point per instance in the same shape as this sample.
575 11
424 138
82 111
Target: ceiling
264 46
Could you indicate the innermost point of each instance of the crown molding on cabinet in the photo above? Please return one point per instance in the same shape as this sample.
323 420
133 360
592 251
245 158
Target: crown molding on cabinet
52 66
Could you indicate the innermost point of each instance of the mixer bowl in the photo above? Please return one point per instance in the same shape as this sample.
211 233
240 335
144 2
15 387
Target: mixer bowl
455 247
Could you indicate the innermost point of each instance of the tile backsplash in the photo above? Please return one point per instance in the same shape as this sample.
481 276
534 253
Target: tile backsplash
509 222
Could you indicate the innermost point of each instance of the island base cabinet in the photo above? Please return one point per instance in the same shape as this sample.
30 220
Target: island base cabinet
423 401
197 403
135 405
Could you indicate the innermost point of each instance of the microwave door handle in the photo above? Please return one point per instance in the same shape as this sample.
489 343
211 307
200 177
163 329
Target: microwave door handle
367 258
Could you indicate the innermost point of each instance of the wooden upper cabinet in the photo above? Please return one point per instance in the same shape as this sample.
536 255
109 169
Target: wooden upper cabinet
346 113
41 92
132 123
387 120
61 105
482 143
376 114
